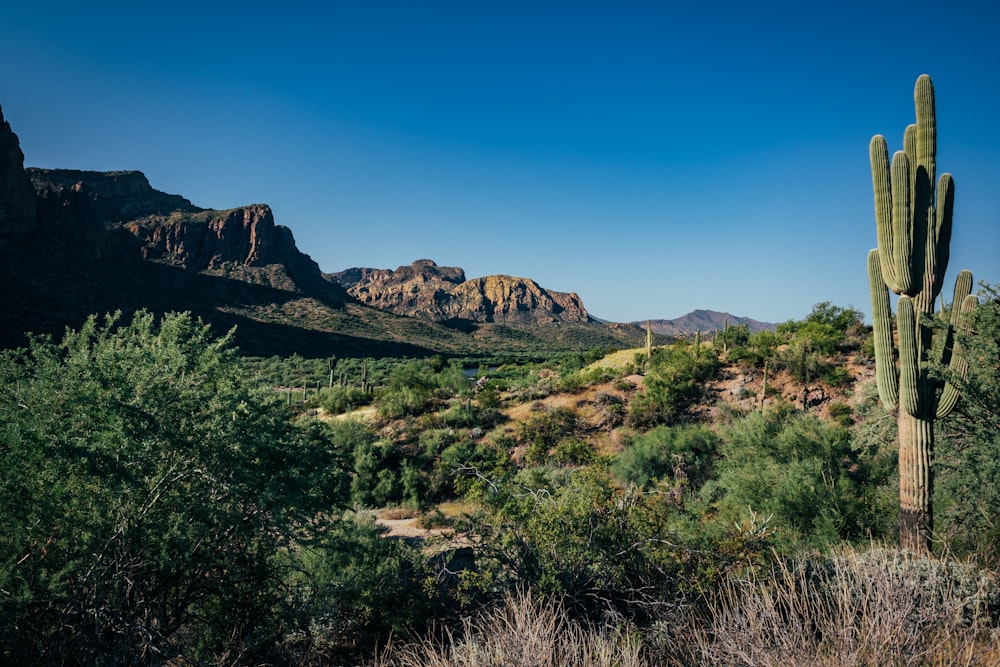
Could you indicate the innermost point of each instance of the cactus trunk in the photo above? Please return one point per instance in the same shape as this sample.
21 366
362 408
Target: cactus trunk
916 446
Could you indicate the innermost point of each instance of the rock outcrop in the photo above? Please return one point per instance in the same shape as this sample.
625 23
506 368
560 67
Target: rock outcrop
107 211
17 196
442 294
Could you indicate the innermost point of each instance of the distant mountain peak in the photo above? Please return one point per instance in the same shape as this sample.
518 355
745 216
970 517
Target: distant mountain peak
704 321
443 294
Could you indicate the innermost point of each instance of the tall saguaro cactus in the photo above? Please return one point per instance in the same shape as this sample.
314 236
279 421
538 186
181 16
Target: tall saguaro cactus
913 225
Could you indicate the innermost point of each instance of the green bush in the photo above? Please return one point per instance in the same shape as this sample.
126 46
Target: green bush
148 490
352 580
544 431
675 382
684 452
338 400
968 459
804 472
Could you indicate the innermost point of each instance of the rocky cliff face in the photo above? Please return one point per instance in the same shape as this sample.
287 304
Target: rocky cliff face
424 289
17 196
106 212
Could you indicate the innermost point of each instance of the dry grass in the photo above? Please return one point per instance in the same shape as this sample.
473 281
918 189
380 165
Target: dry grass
524 631
878 607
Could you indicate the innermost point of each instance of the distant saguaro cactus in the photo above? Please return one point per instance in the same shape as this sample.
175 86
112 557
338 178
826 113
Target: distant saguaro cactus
649 340
913 231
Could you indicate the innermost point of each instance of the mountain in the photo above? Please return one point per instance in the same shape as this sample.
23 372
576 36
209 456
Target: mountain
76 242
442 294
704 321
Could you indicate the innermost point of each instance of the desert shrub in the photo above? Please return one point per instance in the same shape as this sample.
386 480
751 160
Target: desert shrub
606 550
837 376
414 386
579 537
842 413
758 348
968 458
677 452
803 471
825 328
545 430
376 473
458 464
338 400
352 581
571 451
734 337
148 491
802 360
675 382
466 413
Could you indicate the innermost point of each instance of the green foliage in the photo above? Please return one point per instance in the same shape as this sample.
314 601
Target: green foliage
545 430
805 363
148 489
969 457
759 348
677 452
596 545
338 400
824 330
353 580
415 386
603 548
675 382
732 337
801 470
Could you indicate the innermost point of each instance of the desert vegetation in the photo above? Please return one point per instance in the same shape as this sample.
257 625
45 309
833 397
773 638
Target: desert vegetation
168 503
735 499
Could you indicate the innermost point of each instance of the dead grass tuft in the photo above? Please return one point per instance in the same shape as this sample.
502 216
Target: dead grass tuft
882 607
524 631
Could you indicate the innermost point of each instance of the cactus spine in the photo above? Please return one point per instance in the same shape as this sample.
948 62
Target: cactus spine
913 228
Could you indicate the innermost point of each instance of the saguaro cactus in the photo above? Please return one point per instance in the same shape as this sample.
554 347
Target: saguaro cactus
913 228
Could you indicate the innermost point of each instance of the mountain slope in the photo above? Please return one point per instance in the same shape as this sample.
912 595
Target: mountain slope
74 243
704 321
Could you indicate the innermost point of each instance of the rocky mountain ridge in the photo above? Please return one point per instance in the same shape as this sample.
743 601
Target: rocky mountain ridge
443 294
73 243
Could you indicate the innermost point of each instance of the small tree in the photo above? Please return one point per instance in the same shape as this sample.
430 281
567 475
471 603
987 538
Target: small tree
146 494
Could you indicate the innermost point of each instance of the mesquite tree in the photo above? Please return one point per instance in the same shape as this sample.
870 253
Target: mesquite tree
914 230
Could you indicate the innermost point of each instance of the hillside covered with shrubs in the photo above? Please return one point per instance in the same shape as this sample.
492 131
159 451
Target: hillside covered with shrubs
705 502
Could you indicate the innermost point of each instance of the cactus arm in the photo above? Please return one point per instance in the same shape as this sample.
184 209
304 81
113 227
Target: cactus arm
963 289
881 184
959 365
910 143
923 99
902 232
885 364
945 211
909 357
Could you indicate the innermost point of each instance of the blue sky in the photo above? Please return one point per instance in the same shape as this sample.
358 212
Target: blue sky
653 157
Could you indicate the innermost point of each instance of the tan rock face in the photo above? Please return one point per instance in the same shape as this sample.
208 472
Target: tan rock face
17 196
424 289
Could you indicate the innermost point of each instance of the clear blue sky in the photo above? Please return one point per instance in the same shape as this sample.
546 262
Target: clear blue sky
652 157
